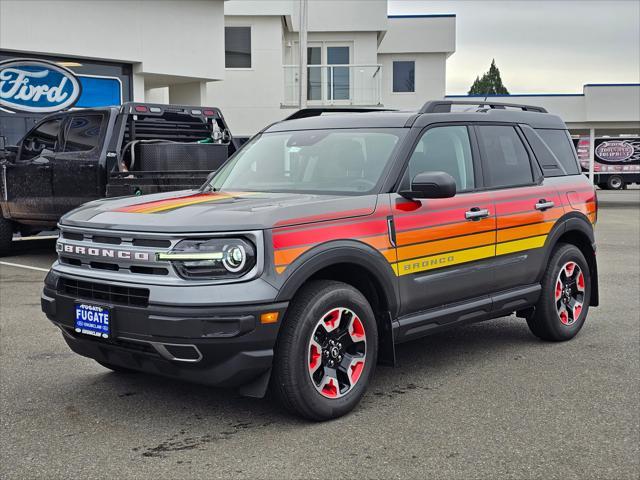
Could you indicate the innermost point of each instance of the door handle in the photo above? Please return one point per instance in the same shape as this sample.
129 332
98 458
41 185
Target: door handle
543 205
476 213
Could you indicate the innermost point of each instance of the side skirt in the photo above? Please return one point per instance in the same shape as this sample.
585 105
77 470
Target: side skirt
477 309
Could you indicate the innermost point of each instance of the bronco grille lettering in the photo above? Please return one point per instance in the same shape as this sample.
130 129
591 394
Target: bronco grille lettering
104 252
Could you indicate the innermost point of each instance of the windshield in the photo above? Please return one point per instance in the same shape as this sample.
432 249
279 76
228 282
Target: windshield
349 161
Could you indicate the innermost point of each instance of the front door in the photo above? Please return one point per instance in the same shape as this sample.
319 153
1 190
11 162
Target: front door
76 167
445 247
29 179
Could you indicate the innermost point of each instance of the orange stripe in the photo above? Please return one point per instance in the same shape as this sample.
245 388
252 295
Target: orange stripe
523 232
435 233
286 256
446 245
531 217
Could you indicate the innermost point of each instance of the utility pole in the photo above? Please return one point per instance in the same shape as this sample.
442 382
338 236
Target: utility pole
302 43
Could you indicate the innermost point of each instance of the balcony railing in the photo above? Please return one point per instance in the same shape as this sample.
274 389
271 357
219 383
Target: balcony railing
357 85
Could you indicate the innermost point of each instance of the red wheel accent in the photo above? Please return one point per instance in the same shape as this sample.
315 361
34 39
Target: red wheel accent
564 317
580 282
356 370
330 388
331 319
569 267
356 330
576 311
558 289
314 357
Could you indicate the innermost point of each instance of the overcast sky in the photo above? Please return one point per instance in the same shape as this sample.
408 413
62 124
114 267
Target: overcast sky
550 46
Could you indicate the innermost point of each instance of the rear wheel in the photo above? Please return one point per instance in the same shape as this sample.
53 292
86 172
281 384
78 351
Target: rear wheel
615 182
564 301
326 351
6 235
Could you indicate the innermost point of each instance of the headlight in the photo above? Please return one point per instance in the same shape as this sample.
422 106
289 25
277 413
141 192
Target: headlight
216 258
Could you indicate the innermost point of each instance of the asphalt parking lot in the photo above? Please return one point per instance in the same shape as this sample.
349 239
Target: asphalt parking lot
483 401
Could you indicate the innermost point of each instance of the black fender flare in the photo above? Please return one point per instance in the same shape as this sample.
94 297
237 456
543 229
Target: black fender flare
342 251
579 223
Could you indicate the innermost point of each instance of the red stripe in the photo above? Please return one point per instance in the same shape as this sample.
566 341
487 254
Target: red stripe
526 205
326 233
324 217
157 203
430 219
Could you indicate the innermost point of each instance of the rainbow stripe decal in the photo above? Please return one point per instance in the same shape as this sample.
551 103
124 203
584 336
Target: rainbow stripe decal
173 203
440 236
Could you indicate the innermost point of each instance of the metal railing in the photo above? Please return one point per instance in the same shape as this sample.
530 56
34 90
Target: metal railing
350 84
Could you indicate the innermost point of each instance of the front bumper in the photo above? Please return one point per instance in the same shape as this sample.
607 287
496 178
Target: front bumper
217 345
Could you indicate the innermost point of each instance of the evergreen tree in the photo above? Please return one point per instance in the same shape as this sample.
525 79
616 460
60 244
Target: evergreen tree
490 83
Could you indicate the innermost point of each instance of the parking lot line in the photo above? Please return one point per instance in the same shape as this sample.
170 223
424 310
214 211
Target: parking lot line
28 267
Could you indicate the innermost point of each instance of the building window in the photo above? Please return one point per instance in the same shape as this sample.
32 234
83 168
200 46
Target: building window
237 47
404 76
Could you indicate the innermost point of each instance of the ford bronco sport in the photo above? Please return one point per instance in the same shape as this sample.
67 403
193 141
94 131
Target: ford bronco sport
327 240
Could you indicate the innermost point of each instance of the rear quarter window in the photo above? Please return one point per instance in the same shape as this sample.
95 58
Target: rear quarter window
560 144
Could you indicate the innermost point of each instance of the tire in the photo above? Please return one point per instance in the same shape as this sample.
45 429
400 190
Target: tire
563 306
6 235
116 368
615 182
322 312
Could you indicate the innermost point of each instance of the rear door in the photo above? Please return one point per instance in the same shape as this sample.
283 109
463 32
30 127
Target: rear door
445 247
29 179
526 206
76 168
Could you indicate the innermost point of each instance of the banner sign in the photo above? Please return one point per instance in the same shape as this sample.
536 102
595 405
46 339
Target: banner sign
37 86
617 151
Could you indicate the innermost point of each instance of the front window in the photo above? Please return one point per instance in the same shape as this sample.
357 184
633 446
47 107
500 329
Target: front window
349 161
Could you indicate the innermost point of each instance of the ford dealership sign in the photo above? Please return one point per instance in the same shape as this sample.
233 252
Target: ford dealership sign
37 86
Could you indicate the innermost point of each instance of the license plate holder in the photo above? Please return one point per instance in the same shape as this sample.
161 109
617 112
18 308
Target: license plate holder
93 320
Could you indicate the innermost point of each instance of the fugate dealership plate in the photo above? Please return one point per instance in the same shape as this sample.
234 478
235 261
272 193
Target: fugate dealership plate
93 320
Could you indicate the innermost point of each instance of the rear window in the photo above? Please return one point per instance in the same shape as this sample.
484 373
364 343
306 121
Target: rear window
506 159
82 133
560 144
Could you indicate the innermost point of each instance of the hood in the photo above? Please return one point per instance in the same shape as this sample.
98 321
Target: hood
194 211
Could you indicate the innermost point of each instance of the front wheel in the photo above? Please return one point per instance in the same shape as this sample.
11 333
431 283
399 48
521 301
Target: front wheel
564 300
326 351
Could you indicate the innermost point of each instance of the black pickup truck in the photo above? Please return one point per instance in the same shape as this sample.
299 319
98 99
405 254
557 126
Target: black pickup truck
72 157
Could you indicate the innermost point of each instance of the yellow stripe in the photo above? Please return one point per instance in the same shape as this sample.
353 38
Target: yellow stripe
443 260
469 255
519 245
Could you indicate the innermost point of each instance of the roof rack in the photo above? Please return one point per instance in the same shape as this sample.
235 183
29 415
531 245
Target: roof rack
317 111
444 106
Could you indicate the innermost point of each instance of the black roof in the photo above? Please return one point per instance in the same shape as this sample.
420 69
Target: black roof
536 117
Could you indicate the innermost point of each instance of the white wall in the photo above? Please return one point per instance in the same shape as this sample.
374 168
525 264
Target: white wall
599 106
250 98
183 39
435 34
430 79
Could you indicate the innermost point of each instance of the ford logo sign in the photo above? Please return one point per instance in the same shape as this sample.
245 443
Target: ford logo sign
37 86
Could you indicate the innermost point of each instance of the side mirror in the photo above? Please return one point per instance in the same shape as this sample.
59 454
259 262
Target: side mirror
431 185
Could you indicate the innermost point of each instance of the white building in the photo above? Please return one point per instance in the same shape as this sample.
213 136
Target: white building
608 109
240 55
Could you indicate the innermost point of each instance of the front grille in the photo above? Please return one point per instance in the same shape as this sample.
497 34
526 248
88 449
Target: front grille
102 292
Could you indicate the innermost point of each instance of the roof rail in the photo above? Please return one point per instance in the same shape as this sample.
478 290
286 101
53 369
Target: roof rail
317 111
444 106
